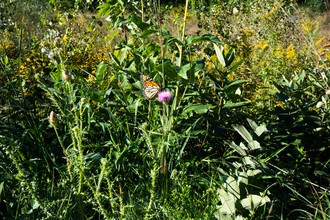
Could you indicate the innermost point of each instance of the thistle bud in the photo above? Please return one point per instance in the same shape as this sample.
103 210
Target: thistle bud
65 76
57 41
52 118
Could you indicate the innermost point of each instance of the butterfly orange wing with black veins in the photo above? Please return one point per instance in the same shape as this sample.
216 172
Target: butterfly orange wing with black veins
150 87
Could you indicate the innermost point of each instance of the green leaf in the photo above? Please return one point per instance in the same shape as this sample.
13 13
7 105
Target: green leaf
35 204
139 23
120 21
274 154
205 37
236 104
198 108
254 201
1 187
147 33
170 71
237 82
115 59
233 86
183 71
260 130
253 172
113 34
239 149
219 53
227 202
200 65
243 132
236 65
254 145
230 56
173 40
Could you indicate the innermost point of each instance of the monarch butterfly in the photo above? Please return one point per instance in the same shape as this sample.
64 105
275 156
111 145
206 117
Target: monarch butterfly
150 87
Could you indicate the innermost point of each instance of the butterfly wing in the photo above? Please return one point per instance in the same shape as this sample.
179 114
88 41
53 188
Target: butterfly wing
150 92
150 87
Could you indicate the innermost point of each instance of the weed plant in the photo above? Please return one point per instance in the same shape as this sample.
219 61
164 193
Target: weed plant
245 134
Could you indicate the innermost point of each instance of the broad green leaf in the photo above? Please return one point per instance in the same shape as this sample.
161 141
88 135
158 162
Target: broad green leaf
249 161
227 202
237 148
200 65
198 108
243 177
173 40
218 214
219 53
205 37
35 204
237 82
236 104
115 59
183 71
170 71
254 201
230 56
147 33
233 86
252 124
235 66
260 130
139 23
233 187
100 71
253 172
120 21
243 132
254 145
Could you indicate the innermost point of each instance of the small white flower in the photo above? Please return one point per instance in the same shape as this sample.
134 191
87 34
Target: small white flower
50 55
43 50
235 11
108 18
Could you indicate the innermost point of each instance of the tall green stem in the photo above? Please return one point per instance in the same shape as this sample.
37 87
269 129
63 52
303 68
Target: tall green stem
183 31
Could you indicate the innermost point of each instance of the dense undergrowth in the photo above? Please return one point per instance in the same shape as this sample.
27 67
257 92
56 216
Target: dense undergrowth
244 136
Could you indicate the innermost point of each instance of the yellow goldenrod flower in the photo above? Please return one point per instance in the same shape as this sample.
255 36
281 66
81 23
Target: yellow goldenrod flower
65 38
319 41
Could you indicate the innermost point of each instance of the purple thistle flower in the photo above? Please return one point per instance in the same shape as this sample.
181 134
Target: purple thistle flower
164 96
57 40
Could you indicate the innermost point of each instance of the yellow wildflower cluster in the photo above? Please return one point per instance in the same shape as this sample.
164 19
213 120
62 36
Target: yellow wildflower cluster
290 52
263 44
7 46
309 26
247 32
